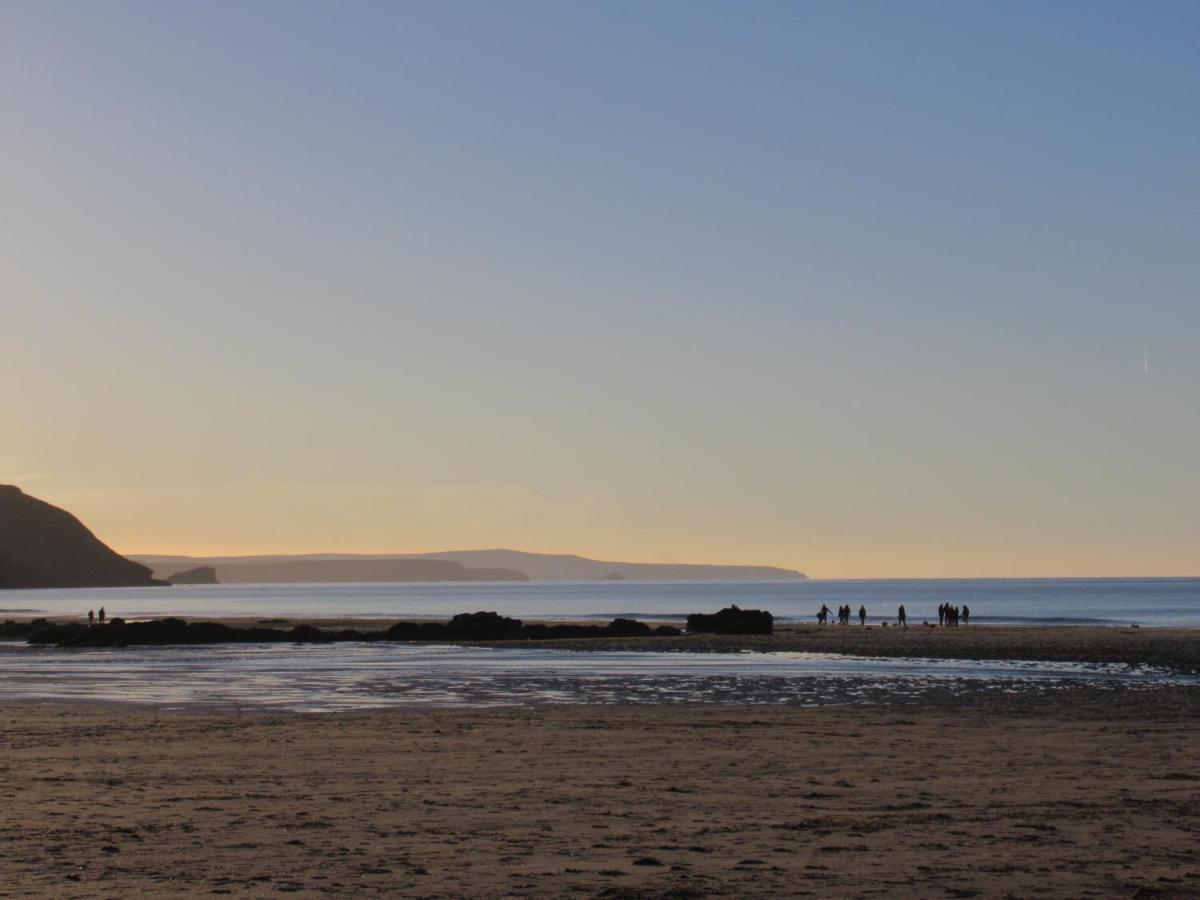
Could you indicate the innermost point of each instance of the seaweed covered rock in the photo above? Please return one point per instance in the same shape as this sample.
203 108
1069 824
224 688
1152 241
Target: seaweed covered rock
732 620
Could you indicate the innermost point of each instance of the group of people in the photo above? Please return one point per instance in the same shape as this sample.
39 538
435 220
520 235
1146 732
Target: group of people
952 615
843 614
92 617
947 615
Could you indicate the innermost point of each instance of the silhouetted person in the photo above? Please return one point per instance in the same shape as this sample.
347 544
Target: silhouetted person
862 615
942 613
966 614
823 614
101 616
91 618
901 617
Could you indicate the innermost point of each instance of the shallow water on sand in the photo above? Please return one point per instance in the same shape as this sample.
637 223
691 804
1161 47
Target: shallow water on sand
327 678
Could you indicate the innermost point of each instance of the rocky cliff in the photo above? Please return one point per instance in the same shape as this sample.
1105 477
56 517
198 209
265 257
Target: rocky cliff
44 546
198 575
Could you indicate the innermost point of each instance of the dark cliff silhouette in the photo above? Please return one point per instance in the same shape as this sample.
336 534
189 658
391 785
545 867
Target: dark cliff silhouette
44 546
198 575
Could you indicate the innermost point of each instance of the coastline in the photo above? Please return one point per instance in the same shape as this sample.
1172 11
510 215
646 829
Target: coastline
1083 793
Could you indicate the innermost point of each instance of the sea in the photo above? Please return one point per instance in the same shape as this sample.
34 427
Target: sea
1147 602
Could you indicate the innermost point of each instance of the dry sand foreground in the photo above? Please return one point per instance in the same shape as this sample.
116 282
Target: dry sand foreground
1080 795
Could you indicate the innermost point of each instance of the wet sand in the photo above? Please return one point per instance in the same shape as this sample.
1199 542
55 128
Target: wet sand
1085 793
1173 648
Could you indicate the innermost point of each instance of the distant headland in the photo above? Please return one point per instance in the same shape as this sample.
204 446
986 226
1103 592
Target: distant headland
42 546
451 565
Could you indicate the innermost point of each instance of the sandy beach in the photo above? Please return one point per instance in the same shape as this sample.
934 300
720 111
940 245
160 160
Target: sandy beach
1081 794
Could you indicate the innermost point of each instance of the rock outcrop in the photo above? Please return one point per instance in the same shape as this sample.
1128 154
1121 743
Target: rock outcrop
732 620
198 575
42 546
480 626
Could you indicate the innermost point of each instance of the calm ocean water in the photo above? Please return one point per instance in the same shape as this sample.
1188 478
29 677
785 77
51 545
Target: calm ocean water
1104 601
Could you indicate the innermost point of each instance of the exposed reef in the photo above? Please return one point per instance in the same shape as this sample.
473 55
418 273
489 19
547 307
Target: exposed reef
470 627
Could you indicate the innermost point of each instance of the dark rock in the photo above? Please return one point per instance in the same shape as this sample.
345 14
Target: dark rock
198 575
310 634
479 626
44 546
483 626
627 628
44 632
732 620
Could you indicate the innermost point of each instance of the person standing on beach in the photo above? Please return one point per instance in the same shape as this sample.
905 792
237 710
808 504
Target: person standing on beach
91 618
102 615
966 614
862 615
901 617
823 614
941 614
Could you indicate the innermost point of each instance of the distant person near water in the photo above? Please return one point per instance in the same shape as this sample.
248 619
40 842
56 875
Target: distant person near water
101 616
966 614
91 618
862 615
942 613
901 617
822 614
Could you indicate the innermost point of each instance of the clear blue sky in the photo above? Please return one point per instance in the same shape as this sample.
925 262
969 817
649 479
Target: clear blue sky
859 288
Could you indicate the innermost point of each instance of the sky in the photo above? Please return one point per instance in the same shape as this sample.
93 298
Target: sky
863 289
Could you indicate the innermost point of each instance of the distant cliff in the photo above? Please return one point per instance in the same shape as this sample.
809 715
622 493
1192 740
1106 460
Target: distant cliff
198 575
44 546
466 565
310 571
568 567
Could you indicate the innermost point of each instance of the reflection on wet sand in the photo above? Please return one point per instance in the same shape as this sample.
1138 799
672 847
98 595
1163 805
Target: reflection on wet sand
348 677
